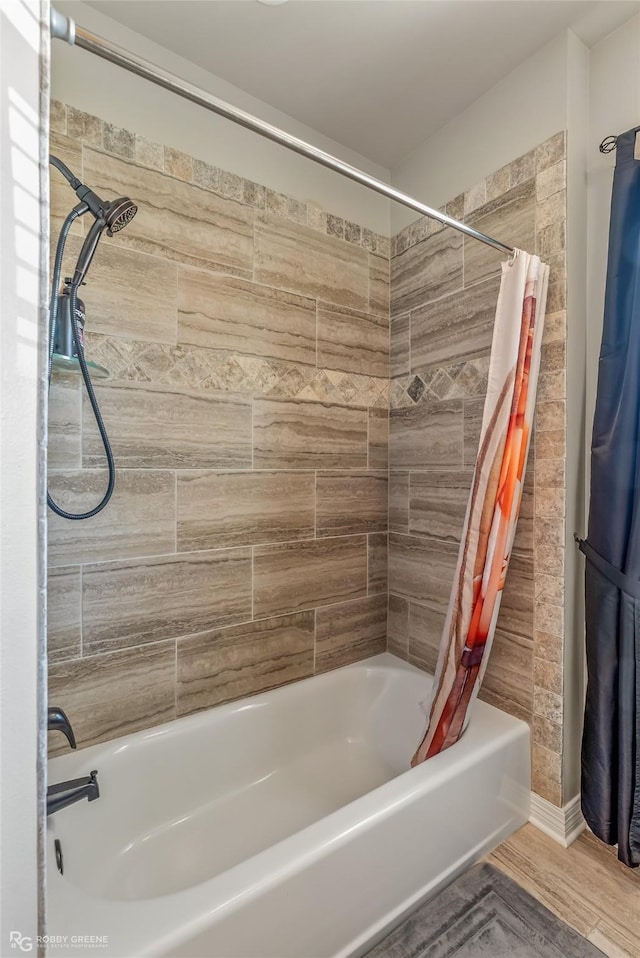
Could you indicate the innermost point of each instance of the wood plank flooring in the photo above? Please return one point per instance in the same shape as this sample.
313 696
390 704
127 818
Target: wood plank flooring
585 885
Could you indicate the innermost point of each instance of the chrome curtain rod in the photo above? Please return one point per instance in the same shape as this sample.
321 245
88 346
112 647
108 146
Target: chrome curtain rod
64 28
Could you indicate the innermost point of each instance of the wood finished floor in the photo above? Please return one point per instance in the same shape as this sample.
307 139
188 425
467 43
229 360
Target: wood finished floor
585 885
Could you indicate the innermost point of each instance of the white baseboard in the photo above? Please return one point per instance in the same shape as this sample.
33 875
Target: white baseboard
562 824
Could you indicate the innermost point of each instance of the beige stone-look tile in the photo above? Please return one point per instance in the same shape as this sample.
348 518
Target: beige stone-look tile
148 153
225 664
550 501
62 199
546 763
548 545
107 696
548 704
398 626
379 285
139 520
545 786
475 197
169 427
547 675
499 182
454 329
373 242
550 152
547 734
550 618
84 127
335 226
438 502
64 616
222 312
399 501
516 609
350 631
352 341
377 562
221 509
549 588
552 385
523 541
557 297
253 194
551 210
206 175
130 294
308 435
351 503
512 219
551 180
473 410
508 681
551 445
550 239
378 438
400 355
178 164
555 326
425 634
293 576
295 257
523 168
547 646
316 218
422 569
118 141
427 271
65 409
426 436
550 416
231 185
144 600
57 116
276 203
175 219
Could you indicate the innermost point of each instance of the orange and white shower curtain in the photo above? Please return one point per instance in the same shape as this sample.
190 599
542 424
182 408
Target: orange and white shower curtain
494 501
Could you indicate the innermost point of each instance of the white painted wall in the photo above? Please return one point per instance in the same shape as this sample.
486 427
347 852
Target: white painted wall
21 507
98 87
523 109
578 149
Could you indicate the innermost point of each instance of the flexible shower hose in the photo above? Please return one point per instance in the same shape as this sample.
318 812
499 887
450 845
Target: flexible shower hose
79 210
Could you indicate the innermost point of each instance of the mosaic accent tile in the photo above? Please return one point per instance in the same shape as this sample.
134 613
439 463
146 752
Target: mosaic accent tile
466 380
212 369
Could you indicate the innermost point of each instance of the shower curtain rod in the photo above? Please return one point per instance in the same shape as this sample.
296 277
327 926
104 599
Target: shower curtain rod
65 28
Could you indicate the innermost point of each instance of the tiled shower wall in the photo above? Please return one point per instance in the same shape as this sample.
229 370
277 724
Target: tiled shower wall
247 339
443 295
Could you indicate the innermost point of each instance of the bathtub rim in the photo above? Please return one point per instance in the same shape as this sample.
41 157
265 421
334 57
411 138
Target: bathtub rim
236 887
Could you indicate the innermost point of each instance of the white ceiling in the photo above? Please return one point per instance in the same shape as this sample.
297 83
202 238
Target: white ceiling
379 76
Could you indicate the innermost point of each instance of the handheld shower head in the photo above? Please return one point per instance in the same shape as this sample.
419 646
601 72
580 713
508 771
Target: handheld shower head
110 215
114 213
118 214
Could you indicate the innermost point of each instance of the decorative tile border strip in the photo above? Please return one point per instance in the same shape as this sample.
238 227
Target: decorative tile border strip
537 162
209 369
467 380
93 131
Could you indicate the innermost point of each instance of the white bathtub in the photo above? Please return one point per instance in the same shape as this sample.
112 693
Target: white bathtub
287 825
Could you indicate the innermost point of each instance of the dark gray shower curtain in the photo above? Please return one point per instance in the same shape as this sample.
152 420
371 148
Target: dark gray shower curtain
611 738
